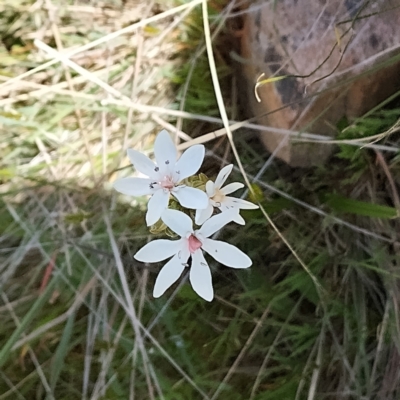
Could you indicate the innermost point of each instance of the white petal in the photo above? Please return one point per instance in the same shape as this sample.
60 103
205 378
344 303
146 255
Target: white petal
232 187
189 197
226 253
165 152
239 220
210 189
143 163
159 250
133 186
239 203
178 221
223 174
190 162
168 275
216 222
204 214
200 276
156 205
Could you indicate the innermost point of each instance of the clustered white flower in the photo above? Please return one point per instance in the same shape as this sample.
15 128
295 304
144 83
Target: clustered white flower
167 176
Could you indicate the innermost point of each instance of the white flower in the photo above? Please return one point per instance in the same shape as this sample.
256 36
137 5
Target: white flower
164 177
217 196
191 245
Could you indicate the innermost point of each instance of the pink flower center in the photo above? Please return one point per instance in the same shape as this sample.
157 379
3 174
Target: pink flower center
167 183
194 244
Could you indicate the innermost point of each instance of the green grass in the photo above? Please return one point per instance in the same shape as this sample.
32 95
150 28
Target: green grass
93 329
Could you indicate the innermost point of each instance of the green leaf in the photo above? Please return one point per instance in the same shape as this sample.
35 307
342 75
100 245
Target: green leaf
61 352
276 205
5 352
77 218
7 173
344 205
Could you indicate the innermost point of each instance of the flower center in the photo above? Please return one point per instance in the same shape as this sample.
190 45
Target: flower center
218 197
167 183
194 244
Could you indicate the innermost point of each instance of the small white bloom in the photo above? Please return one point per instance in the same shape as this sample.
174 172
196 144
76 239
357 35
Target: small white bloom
164 177
217 197
191 245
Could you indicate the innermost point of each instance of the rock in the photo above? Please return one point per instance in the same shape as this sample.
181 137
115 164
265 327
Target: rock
339 59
